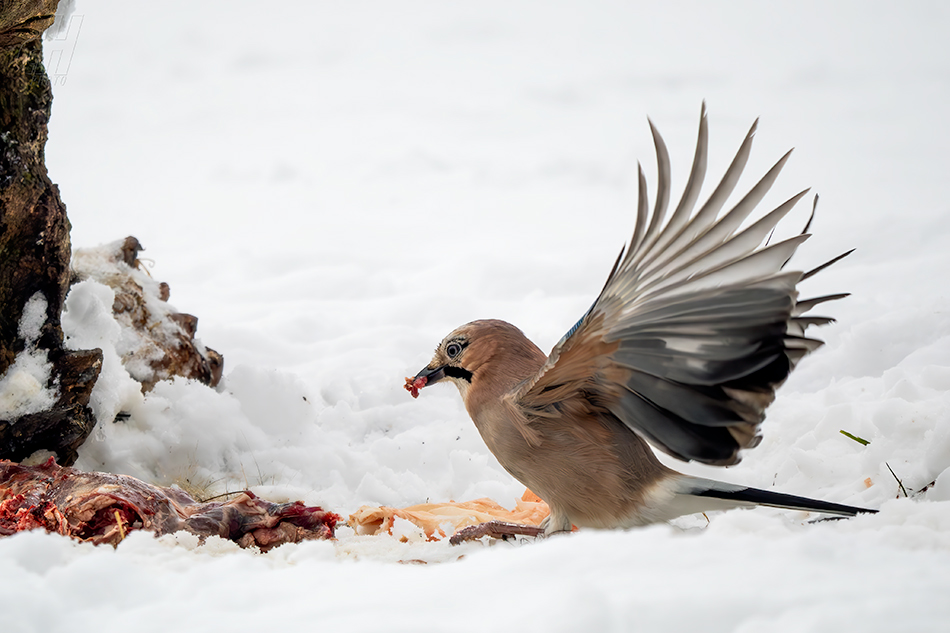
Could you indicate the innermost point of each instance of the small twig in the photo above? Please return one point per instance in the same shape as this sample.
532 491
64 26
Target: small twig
144 263
925 488
899 483
223 494
118 522
495 529
859 440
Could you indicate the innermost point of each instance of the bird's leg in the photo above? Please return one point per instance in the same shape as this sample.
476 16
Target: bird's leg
556 523
495 529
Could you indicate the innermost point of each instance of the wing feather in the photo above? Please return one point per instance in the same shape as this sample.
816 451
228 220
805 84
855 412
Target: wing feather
697 323
690 194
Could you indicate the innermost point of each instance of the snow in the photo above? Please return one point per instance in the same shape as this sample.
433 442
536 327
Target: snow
60 26
88 323
25 386
333 190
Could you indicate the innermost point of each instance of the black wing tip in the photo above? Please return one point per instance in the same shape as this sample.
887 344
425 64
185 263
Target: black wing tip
817 269
811 217
811 303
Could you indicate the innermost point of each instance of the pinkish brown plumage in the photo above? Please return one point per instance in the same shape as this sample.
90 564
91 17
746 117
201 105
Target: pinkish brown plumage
696 327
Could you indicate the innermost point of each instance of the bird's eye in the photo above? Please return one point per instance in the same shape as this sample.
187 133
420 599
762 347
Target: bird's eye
453 350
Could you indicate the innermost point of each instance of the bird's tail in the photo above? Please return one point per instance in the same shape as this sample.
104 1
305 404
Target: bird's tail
720 495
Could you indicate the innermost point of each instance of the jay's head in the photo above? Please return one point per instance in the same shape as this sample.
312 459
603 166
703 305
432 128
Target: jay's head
479 356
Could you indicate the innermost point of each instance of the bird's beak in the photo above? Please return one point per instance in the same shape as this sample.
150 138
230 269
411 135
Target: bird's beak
425 377
432 375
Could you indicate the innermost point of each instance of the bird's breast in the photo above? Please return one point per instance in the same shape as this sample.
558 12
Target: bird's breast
593 470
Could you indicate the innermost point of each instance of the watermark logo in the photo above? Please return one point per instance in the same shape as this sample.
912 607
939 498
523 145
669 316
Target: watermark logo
59 46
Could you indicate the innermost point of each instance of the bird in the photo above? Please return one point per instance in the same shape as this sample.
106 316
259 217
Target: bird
698 323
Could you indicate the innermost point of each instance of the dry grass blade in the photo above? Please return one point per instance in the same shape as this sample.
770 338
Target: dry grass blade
899 482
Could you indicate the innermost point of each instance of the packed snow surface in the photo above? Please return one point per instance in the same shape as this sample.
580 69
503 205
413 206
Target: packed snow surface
333 187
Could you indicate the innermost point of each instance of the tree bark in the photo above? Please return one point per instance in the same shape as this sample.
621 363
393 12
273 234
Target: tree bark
23 21
34 241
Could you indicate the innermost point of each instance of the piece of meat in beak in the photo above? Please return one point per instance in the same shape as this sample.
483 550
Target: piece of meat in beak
425 377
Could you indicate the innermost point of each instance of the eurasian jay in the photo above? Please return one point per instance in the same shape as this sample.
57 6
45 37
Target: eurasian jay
697 325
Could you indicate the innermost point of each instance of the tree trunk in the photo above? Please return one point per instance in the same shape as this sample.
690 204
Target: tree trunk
34 244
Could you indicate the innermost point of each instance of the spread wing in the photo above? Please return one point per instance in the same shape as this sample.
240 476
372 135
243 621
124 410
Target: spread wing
698 322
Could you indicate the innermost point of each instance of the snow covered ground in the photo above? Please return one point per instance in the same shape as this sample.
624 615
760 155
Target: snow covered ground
332 187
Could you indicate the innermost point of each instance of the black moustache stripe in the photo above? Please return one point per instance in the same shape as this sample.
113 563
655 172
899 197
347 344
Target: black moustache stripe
458 372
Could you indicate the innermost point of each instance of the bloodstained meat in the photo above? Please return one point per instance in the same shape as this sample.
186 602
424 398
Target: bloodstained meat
104 508
413 386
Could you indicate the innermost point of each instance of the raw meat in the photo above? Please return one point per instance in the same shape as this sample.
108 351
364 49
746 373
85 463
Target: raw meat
104 508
